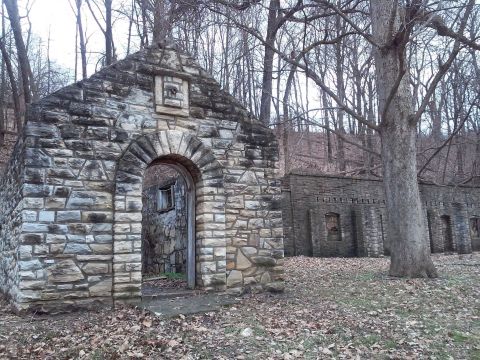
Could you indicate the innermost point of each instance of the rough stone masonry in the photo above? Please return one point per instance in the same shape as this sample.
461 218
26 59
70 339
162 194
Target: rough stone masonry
344 216
71 218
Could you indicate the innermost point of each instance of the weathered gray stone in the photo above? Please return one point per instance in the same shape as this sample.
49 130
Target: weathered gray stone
101 288
214 280
264 261
47 216
275 287
68 216
25 252
95 268
208 267
74 248
87 200
31 239
55 238
265 279
235 279
30 265
32 285
101 248
64 271
242 261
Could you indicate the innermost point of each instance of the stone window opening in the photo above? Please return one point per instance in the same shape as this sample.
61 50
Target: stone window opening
332 223
165 198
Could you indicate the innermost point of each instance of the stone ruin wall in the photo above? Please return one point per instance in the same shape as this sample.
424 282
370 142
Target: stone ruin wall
71 232
164 233
11 218
360 206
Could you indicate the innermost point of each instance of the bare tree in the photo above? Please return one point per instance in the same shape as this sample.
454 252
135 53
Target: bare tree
23 62
392 29
105 26
81 37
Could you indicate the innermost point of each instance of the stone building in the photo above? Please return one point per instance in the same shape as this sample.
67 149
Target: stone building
71 194
338 216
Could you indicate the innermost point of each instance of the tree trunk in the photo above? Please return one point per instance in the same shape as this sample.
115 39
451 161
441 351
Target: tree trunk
130 24
108 33
410 255
265 102
13 85
368 156
23 63
83 48
3 91
341 95
286 119
436 122
161 22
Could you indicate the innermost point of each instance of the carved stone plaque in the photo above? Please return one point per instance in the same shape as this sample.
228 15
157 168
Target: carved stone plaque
171 96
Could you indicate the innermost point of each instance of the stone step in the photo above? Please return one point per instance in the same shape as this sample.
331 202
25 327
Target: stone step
187 305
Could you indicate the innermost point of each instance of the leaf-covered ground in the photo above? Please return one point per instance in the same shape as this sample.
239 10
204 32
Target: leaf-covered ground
332 308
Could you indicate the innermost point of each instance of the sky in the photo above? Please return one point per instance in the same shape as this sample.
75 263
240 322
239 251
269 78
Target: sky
57 17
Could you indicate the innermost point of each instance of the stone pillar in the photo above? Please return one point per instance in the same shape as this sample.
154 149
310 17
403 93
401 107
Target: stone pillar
461 229
316 224
426 224
127 254
383 221
371 232
287 209
436 231
429 230
358 231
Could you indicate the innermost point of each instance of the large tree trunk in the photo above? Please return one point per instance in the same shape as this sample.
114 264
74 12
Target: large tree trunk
339 66
108 33
161 22
3 90
266 100
83 48
13 86
23 62
286 119
410 255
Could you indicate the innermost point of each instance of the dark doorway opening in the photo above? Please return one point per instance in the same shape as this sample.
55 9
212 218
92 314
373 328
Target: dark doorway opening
168 246
475 233
447 233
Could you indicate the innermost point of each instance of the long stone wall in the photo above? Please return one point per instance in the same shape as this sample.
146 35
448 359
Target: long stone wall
85 152
310 199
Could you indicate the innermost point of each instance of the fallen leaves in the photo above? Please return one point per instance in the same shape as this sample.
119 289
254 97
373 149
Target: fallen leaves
332 308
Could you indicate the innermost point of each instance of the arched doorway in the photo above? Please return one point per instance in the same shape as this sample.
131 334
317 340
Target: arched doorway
190 157
168 228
